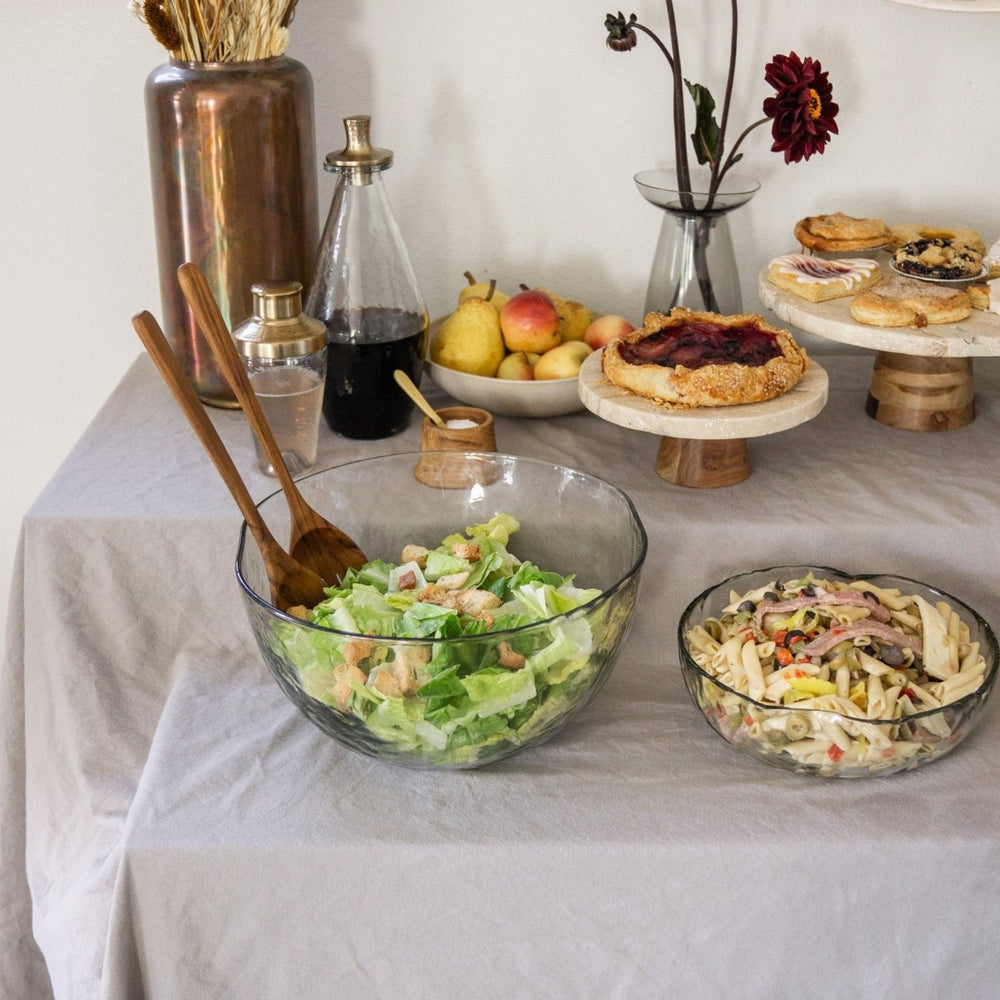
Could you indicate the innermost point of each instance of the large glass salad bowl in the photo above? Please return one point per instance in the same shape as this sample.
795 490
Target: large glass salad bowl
497 597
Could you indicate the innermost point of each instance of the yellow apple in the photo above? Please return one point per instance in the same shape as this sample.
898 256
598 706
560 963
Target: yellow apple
562 361
518 367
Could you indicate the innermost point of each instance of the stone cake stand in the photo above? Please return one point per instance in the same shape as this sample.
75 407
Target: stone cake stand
922 379
704 447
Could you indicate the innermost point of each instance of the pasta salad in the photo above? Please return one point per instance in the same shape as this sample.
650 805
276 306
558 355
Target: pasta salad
836 674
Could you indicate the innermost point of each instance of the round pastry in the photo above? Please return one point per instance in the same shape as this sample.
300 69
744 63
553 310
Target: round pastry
818 280
938 260
900 301
690 359
838 232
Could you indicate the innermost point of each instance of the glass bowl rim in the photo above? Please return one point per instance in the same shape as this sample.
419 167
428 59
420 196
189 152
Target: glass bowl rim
634 567
732 185
989 677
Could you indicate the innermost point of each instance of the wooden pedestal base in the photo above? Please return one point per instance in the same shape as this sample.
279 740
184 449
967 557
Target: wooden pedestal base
703 464
921 393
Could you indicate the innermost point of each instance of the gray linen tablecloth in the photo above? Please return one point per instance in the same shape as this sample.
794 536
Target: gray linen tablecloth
188 834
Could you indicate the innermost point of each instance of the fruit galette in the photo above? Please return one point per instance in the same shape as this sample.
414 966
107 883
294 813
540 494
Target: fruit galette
691 359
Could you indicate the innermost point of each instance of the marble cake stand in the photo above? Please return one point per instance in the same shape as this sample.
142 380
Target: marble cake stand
703 447
922 378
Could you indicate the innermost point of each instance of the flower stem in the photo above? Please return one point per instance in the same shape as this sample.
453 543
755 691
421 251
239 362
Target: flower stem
739 142
727 100
656 38
680 129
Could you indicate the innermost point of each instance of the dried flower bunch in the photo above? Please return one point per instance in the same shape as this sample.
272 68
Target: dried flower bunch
218 30
801 112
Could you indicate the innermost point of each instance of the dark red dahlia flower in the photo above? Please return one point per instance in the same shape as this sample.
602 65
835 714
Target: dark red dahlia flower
802 112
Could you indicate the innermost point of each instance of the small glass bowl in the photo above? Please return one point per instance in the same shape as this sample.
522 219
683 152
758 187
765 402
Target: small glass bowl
760 730
571 523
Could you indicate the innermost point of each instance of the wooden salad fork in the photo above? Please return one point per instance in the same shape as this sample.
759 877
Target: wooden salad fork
314 541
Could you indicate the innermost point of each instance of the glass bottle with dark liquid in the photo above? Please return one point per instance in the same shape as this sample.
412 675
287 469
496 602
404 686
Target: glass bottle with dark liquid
365 291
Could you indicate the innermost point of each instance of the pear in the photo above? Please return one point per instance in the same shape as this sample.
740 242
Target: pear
574 317
469 340
484 290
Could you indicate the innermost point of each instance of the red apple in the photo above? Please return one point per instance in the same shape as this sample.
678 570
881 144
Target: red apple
529 322
606 328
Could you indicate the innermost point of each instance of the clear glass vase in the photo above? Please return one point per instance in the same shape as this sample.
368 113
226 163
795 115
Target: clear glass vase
695 265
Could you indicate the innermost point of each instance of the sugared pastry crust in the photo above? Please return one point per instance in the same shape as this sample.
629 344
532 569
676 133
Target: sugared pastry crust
900 301
817 279
938 259
910 232
690 359
839 232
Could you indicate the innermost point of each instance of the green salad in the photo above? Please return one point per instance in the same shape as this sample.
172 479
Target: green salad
448 699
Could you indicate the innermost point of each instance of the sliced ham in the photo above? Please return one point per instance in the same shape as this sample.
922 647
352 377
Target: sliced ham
852 597
876 630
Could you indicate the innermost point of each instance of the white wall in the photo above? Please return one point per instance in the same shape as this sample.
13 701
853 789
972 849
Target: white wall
516 134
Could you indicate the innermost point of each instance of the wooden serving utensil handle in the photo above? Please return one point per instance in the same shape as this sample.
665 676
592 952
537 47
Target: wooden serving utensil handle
206 311
289 582
159 350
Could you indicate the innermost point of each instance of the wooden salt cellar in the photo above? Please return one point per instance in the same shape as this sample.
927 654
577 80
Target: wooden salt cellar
444 463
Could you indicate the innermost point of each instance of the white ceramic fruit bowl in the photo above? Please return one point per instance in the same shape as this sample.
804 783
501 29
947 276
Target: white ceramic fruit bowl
507 397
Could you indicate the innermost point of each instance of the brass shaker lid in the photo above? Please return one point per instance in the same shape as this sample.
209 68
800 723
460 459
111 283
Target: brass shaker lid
278 327
358 156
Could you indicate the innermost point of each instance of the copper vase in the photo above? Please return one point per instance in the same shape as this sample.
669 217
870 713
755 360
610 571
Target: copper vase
233 167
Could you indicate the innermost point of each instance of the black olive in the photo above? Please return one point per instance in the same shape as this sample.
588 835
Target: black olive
793 635
771 596
893 656
746 606
809 590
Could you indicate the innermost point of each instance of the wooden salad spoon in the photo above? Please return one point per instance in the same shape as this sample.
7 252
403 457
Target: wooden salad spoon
291 583
314 541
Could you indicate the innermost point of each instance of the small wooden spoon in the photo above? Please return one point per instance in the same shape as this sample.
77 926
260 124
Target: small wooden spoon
291 583
314 541
406 384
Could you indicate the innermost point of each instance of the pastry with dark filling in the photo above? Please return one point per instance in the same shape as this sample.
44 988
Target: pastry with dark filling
690 359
